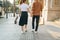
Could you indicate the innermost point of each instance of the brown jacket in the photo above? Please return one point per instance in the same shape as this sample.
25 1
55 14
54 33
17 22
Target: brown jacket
36 8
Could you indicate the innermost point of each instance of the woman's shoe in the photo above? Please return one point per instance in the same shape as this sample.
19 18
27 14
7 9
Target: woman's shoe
25 30
35 31
22 32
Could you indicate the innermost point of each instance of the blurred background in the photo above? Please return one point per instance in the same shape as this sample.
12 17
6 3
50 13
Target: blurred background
9 9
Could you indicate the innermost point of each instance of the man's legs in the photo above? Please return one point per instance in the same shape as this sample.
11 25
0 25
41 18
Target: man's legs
33 19
37 22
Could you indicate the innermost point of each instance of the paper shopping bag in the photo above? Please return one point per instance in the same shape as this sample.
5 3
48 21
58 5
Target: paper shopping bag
41 21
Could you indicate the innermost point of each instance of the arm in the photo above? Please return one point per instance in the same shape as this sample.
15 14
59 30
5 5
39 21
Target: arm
41 9
33 8
29 10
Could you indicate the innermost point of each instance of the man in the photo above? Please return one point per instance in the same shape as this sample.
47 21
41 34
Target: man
36 13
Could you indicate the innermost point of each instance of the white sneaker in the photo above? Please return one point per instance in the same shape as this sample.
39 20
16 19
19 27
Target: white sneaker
22 32
33 30
25 30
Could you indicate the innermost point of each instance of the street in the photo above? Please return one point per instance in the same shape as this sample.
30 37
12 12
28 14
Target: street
11 31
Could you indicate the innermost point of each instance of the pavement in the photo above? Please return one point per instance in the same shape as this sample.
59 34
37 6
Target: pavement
57 22
11 31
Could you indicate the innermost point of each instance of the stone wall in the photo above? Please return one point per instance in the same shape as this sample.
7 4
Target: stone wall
53 9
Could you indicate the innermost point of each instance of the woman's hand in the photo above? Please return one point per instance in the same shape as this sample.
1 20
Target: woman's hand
31 14
40 15
19 14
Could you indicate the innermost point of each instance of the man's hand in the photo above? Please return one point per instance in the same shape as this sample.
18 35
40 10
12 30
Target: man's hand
41 15
31 14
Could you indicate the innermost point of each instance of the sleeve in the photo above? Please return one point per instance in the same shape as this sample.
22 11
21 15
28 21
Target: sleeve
33 7
41 6
27 6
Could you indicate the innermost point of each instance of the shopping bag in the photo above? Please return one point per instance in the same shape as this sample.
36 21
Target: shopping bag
41 21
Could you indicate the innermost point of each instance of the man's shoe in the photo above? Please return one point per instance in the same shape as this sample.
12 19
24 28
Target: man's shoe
33 30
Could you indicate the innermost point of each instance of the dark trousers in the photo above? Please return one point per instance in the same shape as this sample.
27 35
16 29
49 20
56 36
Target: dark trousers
37 22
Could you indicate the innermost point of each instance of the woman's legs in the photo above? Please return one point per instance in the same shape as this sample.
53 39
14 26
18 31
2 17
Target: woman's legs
23 21
22 28
25 28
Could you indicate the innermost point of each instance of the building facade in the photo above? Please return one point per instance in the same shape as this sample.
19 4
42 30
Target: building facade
53 9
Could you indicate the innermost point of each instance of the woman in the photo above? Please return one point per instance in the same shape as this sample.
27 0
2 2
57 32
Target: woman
24 15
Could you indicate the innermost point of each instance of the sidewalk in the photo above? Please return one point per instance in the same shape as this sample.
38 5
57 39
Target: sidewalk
57 22
11 31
